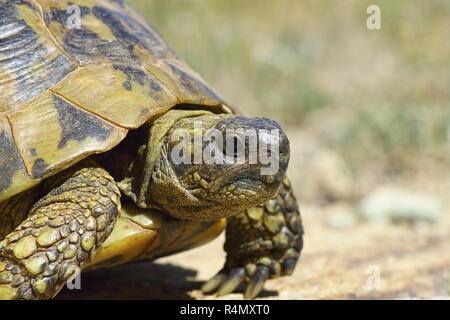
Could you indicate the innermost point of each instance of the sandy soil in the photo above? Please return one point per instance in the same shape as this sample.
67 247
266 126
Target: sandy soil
337 263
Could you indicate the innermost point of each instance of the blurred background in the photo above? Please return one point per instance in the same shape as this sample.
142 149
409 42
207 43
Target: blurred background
368 116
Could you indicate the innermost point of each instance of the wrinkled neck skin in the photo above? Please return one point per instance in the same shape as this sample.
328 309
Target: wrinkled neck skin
153 177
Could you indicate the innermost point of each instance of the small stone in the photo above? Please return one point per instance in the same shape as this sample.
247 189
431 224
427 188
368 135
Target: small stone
392 204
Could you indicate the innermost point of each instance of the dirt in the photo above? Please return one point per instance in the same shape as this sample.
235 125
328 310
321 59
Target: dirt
363 261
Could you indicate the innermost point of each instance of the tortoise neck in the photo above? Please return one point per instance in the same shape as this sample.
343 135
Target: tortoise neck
132 162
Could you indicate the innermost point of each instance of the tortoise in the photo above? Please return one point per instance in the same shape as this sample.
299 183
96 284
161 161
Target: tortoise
91 102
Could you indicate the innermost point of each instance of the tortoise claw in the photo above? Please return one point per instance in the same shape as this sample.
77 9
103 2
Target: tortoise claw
237 275
256 284
214 282
288 266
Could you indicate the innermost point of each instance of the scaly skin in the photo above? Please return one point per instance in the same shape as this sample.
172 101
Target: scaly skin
77 208
144 167
61 235
262 242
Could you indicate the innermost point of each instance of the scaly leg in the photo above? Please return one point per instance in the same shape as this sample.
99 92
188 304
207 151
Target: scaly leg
261 243
61 234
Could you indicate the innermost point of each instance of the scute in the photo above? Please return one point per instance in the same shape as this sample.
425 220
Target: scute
29 61
53 134
67 93
14 177
109 90
107 31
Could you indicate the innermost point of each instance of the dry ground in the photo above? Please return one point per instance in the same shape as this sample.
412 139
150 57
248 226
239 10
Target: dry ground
413 263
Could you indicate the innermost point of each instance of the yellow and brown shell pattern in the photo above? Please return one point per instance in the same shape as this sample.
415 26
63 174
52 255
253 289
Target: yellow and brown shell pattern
68 91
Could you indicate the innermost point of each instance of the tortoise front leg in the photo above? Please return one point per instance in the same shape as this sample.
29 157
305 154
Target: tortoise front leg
261 243
61 234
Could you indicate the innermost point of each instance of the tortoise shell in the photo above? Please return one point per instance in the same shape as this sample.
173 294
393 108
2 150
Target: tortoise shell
70 90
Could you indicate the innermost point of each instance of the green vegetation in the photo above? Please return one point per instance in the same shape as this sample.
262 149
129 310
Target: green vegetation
373 96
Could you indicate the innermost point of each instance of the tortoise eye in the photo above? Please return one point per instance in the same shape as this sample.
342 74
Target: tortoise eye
234 146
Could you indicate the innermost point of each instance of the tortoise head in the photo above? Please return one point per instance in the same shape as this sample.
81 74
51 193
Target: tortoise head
215 165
